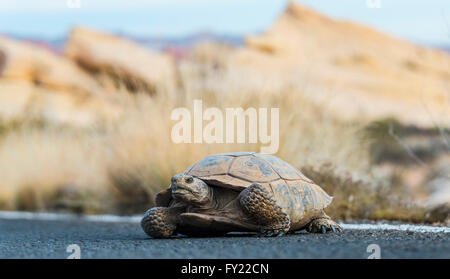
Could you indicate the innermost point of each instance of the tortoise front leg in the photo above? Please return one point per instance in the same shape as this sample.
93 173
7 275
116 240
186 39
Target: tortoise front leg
160 222
258 203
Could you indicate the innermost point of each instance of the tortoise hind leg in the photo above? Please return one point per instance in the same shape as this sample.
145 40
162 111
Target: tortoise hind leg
323 224
159 222
258 203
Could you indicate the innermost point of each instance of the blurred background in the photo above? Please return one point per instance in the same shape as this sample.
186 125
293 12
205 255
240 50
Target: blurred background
87 89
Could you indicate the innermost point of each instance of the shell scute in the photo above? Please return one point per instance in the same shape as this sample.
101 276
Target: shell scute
251 168
284 170
212 165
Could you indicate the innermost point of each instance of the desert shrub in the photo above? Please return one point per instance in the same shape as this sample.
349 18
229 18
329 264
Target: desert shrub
358 199
391 141
129 193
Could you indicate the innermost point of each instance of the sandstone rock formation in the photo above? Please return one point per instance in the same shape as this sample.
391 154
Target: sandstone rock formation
24 61
127 63
38 83
360 72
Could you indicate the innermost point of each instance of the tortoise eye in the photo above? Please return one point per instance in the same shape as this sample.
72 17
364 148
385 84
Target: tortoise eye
189 179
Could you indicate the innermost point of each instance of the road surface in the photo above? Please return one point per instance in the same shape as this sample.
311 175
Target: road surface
42 238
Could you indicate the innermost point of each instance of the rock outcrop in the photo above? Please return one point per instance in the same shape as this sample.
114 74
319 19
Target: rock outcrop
359 71
137 68
20 99
24 61
36 82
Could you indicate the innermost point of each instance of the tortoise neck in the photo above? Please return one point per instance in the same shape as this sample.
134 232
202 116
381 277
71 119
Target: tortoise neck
205 203
211 201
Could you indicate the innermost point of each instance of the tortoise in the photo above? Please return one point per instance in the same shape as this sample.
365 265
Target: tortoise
239 192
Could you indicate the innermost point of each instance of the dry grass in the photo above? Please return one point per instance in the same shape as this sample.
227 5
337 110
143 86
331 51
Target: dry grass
358 199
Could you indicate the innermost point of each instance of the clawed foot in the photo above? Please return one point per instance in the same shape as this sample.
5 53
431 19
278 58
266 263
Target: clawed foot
273 231
323 225
157 223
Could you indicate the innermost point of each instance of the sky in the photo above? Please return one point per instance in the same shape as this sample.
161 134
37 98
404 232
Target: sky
421 21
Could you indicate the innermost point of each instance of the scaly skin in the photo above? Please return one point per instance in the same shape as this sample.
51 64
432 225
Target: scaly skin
259 204
158 222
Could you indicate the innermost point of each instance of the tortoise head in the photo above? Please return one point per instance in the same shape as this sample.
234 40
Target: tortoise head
190 189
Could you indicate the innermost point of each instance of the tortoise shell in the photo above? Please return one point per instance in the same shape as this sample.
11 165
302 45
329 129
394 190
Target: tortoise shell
238 170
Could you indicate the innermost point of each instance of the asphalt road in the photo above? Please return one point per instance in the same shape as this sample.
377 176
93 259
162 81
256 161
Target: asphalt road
50 239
